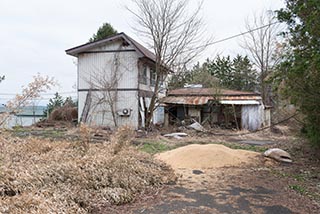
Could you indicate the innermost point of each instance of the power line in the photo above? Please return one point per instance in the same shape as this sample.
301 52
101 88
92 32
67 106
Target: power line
37 99
212 43
241 34
65 92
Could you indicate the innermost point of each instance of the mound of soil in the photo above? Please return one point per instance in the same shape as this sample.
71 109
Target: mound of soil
197 156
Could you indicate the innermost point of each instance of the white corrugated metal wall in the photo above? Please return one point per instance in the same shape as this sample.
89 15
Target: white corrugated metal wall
91 65
251 117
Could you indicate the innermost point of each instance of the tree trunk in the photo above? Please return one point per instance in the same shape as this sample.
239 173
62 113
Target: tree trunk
154 97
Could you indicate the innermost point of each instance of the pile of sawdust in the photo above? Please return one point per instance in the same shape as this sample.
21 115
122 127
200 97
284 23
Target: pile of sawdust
197 156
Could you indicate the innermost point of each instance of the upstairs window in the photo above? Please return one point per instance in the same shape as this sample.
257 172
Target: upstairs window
152 77
161 81
143 77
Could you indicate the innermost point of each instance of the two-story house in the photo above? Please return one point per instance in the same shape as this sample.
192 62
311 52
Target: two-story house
115 81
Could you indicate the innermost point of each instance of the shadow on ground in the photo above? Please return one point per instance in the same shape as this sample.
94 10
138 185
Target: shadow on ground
231 200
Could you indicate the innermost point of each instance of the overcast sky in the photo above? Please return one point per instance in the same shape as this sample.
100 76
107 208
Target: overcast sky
35 34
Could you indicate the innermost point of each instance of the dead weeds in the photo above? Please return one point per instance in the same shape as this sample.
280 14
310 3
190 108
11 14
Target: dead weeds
39 176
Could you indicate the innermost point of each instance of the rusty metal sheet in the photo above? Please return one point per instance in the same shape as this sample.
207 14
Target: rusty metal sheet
209 92
239 102
202 100
187 100
247 97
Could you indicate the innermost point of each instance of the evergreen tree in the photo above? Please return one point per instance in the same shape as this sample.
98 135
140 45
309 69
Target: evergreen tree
104 31
237 74
69 102
299 71
54 103
244 76
221 68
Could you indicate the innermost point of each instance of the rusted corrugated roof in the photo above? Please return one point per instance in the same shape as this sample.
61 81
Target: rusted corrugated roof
239 102
186 100
201 96
202 100
240 97
209 92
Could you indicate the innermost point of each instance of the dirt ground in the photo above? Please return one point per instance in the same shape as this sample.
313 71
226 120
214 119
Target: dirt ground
227 190
265 186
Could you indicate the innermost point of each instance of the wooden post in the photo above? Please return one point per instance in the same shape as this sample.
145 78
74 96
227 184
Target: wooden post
166 119
235 116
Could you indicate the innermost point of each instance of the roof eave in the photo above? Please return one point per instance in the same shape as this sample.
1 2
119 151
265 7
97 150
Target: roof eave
78 49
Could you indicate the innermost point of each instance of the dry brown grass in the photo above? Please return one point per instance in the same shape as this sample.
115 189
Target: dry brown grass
39 176
122 138
64 113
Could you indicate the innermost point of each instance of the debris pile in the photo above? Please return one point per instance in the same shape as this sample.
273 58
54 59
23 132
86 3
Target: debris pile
64 113
197 126
177 135
278 155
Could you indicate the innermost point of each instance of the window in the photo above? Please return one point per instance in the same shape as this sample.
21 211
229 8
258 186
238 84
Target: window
152 77
161 81
143 77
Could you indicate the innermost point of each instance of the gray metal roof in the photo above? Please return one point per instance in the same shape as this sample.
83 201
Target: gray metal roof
87 46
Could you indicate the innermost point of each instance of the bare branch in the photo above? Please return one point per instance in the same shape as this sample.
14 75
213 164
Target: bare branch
34 89
174 33
262 46
104 82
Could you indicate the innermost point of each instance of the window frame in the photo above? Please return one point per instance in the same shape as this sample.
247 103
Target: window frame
153 77
143 75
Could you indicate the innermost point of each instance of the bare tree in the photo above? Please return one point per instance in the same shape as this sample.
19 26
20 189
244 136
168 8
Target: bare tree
175 35
104 83
34 89
263 47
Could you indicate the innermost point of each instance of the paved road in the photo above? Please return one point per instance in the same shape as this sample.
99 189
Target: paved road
200 201
239 191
